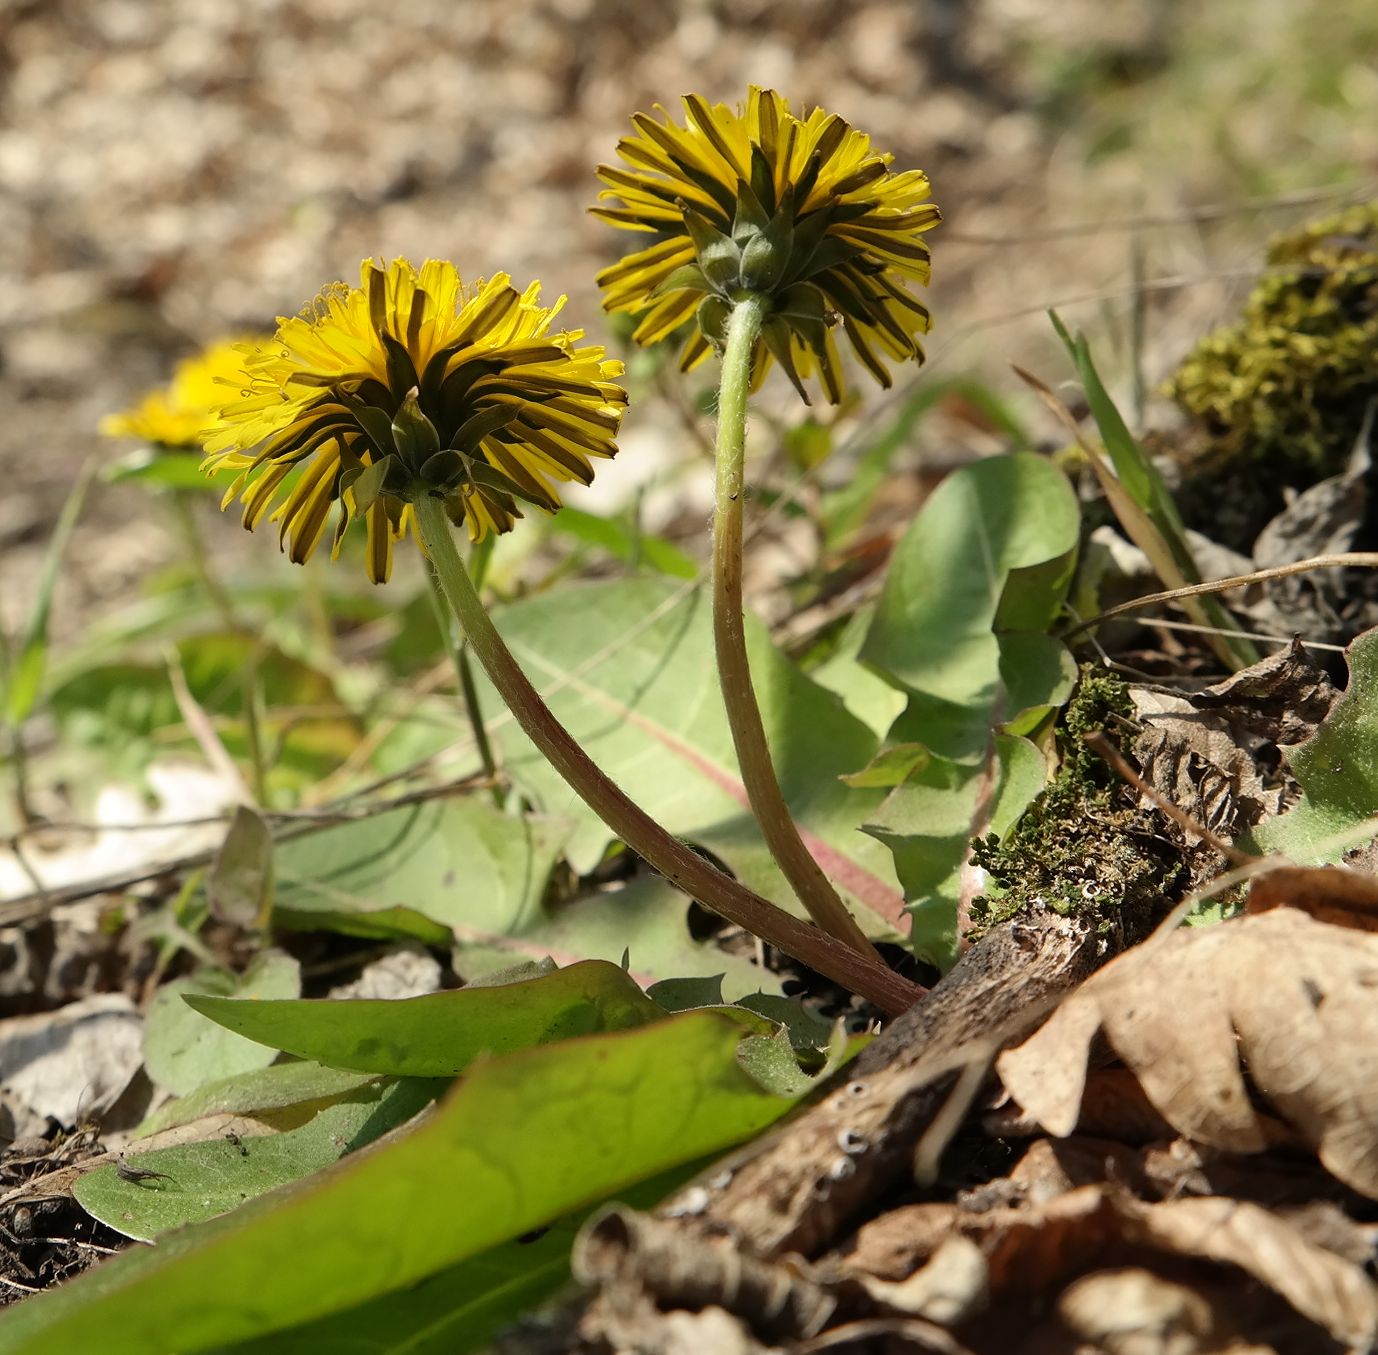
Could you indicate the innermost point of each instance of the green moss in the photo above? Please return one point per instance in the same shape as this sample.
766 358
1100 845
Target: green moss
1082 847
1288 385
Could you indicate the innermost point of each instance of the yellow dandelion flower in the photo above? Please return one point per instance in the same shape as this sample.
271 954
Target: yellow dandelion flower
801 210
414 384
176 415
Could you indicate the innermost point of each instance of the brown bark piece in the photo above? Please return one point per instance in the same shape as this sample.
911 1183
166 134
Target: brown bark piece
795 1188
734 1238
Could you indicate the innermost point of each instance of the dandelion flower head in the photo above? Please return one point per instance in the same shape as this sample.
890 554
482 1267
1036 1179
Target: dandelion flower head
757 200
414 384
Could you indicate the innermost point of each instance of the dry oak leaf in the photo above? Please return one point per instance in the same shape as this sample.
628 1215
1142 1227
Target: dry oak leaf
1281 995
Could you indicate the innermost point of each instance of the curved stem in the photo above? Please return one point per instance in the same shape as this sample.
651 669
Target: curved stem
680 864
814 889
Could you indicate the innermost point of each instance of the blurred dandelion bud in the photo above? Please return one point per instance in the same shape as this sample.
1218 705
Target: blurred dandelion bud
413 385
760 202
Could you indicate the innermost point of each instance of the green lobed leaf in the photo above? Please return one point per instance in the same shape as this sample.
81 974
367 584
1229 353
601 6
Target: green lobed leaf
463 1306
459 1309
23 675
929 824
440 1034
461 864
844 509
647 921
522 1140
198 1181
240 883
632 547
628 668
933 631
770 1060
961 625
178 470
258 1091
808 1032
101 699
892 766
865 694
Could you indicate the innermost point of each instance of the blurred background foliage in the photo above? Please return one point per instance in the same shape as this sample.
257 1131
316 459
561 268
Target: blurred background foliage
172 170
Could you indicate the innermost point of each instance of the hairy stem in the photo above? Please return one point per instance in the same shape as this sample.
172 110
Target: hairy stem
813 888
682 866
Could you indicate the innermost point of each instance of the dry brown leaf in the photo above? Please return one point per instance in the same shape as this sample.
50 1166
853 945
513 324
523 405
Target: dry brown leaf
1053 1167
1135 1312
1028 1251
1037 1248
1332 1292
1324 1224
625 1253
1113 1106
1335 894
1281 699
948 1290
1291 997
1197 762
1209 752
896 1243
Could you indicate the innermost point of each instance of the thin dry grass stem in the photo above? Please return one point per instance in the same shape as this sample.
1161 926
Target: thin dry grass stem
972 1061
1105 750
1165 624
1341 560
203 730
362 753
298 824
944 1125
1304 197
1353 836
1152 536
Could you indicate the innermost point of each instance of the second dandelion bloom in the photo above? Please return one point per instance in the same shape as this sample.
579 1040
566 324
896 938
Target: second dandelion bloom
414 384
758 201
175 417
